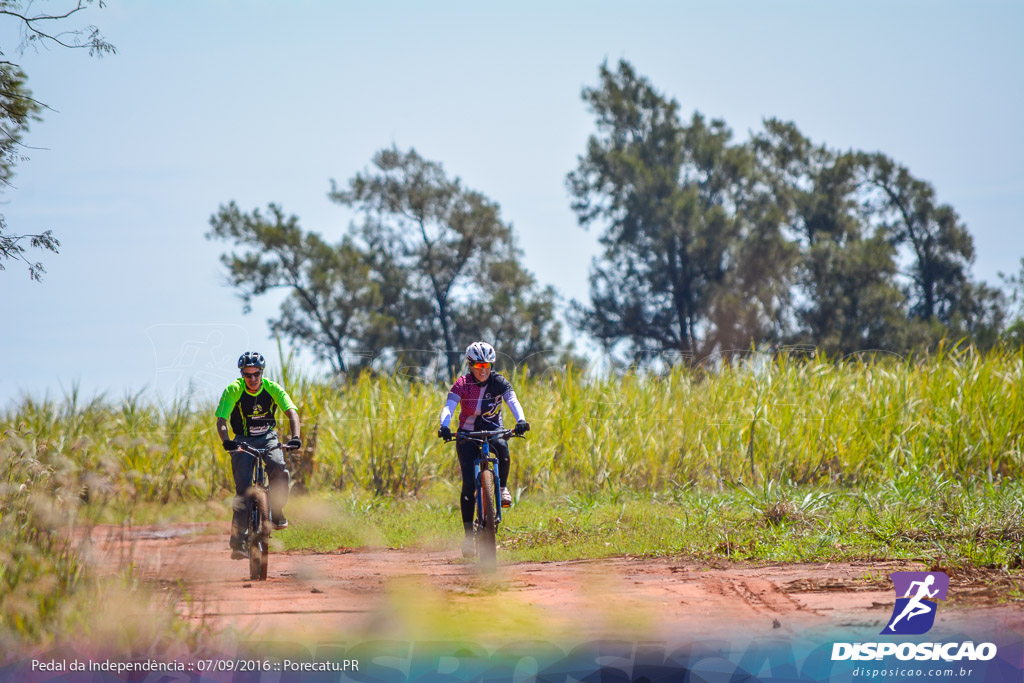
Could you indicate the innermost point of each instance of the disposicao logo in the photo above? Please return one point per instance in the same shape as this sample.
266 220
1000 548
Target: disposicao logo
916 593
914 614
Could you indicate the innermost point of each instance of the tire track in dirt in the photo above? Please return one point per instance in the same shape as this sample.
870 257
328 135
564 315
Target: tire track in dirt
761 596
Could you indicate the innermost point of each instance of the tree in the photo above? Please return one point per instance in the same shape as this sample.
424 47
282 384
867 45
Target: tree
18 108
711 245
457 259
940 246
752 306
332 302
847 296
1013 306
684 216
431 266
511 311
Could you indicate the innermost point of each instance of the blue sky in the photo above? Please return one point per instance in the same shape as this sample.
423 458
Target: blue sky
208 102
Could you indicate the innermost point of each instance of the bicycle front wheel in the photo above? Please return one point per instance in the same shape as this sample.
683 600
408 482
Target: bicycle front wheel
487 526
259 553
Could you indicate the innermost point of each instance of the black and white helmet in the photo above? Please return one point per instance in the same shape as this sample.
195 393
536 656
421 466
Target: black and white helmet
250 358
480 352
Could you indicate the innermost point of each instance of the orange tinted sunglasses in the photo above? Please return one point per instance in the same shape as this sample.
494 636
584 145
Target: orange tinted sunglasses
480 366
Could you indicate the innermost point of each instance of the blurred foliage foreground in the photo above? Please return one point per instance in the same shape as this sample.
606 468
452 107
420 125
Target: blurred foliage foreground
807 422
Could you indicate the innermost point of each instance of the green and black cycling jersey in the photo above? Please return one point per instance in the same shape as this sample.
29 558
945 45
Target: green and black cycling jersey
253 414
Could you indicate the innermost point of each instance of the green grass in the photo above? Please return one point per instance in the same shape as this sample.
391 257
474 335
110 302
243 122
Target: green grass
812 421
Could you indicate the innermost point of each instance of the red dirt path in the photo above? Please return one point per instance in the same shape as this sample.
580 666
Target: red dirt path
434 594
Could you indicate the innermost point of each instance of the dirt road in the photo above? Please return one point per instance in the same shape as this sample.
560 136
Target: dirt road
435 594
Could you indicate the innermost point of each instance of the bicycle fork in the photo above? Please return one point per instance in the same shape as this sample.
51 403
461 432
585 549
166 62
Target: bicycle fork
258 479
485 451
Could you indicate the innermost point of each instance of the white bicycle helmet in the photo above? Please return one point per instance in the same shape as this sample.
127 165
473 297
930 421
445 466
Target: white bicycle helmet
481 352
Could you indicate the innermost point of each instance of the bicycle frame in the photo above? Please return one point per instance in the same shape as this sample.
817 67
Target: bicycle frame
259 469
259 478
259 472
484 439
488 515
259 511
485 451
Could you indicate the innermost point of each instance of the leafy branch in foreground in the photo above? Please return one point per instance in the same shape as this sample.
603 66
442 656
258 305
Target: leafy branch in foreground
18 108
10 247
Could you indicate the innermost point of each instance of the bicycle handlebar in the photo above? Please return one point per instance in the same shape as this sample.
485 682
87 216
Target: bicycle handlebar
482 436
259 452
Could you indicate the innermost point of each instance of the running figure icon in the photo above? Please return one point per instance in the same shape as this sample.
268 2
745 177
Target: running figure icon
918 589
915 607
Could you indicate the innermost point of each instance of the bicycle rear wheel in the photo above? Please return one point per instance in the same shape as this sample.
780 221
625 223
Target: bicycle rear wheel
485 535
259 554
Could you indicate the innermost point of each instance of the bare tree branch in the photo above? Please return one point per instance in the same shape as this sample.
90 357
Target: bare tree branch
93 41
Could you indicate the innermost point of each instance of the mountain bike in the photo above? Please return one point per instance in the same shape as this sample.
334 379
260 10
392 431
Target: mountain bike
256 543
488 487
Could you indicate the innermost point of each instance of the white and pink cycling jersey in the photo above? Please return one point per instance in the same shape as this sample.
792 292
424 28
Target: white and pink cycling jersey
480 404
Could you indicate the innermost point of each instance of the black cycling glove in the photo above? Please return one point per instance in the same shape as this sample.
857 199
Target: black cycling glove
444 433
294 443
521 427
230 445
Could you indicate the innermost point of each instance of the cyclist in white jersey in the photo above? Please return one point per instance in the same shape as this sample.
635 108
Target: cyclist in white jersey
479 395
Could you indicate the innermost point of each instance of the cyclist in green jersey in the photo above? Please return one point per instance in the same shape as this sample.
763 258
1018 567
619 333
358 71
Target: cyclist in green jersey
249 404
